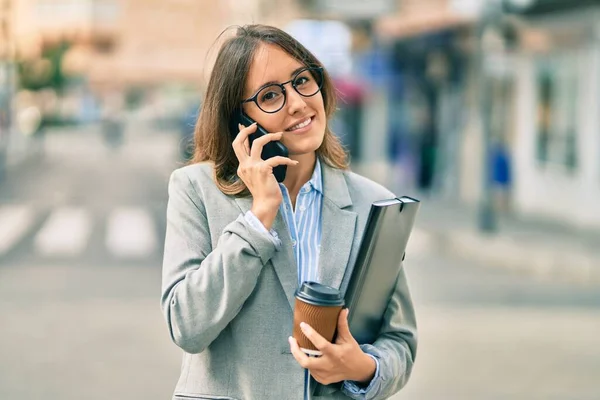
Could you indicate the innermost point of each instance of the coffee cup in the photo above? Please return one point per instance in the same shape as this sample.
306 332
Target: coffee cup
319 306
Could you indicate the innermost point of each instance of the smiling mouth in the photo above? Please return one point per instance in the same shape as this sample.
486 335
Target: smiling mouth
300 125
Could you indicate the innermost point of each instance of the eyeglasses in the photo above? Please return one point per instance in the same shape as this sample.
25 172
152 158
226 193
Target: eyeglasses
271 98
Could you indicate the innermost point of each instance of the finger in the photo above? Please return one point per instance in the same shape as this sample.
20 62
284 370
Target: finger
298 354
319 341
240 153
343 329
279 160
238 142
244 132
258 144
246 141
247 146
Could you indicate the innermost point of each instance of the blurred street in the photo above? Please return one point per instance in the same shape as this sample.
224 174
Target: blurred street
80 284
87 202
80 309
484 110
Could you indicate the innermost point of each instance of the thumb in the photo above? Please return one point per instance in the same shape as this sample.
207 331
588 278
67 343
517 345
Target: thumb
343 330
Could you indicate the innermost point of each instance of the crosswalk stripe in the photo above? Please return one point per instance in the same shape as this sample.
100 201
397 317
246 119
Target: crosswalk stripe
130 233
65 233
15 222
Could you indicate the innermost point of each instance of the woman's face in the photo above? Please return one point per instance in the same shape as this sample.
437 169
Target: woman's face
272 64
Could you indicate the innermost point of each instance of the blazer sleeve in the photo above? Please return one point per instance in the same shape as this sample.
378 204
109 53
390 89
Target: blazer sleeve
396 345
203 289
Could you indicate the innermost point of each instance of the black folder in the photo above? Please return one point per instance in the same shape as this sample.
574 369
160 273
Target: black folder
374 276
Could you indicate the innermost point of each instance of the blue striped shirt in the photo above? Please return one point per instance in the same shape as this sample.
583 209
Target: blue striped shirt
304 225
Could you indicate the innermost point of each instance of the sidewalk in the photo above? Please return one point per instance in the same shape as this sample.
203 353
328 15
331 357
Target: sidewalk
545 249
22 151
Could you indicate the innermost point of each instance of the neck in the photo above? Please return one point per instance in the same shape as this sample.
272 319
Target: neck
297 176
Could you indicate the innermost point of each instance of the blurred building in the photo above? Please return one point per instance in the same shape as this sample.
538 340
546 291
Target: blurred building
543 76
148 56
557 131
414 68
412 88
422 107
137 42
542 72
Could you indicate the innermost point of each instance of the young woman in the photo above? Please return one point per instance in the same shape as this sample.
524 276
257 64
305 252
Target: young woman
239 243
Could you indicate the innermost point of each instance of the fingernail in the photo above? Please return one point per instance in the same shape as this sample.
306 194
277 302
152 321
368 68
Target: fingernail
240 126
302 325
290 339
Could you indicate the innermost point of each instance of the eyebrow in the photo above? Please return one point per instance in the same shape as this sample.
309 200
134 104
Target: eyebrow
264 85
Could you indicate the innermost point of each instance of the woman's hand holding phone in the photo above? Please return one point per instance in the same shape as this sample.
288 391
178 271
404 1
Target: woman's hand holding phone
257 173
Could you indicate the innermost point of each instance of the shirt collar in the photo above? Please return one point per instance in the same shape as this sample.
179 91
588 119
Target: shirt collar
316 181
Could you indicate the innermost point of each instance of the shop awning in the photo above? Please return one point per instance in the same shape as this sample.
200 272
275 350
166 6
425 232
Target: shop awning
401 26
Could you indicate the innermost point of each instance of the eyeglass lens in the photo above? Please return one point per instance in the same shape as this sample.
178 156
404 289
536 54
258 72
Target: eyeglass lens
307 83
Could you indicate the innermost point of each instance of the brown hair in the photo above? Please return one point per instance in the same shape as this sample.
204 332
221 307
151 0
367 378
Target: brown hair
212 137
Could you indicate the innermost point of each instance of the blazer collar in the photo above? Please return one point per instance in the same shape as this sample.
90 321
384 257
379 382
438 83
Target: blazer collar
338 228
335 187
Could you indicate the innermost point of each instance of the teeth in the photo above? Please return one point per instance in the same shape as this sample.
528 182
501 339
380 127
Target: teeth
300 125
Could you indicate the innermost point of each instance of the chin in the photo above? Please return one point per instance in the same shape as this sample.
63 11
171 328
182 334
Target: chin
301 151
304 146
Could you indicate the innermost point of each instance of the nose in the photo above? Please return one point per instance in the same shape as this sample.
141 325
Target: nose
295 102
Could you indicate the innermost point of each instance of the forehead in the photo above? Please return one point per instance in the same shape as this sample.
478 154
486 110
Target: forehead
270 64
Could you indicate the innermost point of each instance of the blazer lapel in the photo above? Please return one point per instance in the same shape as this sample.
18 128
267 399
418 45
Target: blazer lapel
337 228
284 261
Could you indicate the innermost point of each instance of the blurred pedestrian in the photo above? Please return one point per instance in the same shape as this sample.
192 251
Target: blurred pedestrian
501 175
113 120
238 243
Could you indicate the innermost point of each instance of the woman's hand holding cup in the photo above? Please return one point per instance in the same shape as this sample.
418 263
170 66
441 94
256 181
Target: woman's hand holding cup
257 173
340 361
318 315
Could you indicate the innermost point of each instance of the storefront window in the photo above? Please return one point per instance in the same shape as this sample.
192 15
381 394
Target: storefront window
557 95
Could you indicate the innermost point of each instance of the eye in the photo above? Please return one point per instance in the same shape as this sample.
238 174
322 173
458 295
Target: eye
269 96
301 80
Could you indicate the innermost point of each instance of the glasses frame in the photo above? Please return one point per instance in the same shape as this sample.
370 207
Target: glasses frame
254 100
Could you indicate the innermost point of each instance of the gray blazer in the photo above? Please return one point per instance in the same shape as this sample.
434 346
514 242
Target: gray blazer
228 293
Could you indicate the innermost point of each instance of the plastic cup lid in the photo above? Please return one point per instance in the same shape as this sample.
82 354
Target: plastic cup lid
319 295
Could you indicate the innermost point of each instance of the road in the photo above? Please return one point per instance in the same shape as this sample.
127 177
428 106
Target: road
80 256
